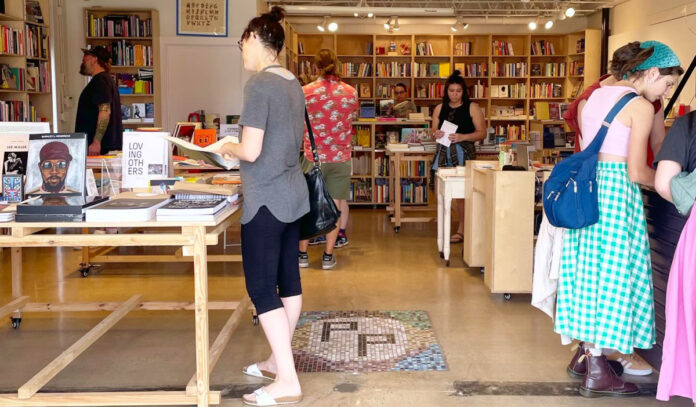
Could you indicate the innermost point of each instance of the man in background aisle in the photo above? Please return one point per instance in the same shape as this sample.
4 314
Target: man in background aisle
402 106
331 105
99 107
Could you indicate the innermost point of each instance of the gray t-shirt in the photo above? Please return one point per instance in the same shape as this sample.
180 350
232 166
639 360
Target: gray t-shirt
275 179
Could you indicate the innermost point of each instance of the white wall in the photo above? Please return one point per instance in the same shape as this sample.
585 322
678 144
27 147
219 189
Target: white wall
197 72
670 21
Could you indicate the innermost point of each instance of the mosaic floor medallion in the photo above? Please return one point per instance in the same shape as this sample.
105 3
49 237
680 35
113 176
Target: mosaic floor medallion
366 341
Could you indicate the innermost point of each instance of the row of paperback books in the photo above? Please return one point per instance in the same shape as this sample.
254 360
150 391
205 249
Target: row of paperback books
472 70
12 77
431 90
549 69
361 164
414 191
502 48
413 169
479 90
424 49
37 41
119 26
382 166
349 69
431 70
576 68
126 54
393 69
139 84
381 190
360 190
509 70
512 132
542 47
17 111
38 77
12 41
462 49
547 90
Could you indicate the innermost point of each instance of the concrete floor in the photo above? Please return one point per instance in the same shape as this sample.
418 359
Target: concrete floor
484 337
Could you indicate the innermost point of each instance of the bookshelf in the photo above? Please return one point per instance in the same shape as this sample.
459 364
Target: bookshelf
26 95
485 61
133 36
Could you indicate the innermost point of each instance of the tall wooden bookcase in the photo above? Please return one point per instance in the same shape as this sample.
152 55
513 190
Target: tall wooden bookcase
150 40
36 98
402 51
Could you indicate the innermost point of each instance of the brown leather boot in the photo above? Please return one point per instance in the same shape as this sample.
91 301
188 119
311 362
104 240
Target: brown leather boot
577 369
600 379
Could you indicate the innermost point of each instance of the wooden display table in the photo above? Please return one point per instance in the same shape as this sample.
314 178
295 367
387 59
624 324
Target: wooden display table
193 238
396 207
448 187
499 228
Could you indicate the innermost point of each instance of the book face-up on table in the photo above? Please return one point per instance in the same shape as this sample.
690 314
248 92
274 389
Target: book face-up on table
207 154
126 209
145 157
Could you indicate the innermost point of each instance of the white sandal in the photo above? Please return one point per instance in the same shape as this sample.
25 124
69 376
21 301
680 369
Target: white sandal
254 371
265 399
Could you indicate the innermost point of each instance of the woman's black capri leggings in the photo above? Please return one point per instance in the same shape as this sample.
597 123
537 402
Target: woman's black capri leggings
269 256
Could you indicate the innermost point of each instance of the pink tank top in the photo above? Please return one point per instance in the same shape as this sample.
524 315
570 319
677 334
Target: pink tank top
593 113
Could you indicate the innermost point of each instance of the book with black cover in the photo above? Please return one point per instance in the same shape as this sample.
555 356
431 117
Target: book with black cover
125 210
180 207
56 208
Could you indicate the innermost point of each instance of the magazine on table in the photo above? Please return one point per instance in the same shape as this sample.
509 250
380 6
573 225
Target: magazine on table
207 154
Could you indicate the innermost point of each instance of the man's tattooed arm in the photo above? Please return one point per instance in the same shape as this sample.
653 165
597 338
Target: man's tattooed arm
102 121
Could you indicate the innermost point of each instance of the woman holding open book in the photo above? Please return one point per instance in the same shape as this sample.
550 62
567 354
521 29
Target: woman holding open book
457 110
275 198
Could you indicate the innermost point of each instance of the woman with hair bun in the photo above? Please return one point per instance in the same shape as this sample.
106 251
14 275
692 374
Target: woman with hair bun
605 290
471 127
273 123
331 105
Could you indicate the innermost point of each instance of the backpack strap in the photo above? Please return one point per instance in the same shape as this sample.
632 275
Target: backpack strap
596 144
315 155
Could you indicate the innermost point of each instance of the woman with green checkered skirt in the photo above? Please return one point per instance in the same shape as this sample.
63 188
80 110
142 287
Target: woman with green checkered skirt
605 290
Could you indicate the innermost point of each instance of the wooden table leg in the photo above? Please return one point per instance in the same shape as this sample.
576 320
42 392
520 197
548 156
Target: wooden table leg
85 249
447 198
200 276
440 214
16 276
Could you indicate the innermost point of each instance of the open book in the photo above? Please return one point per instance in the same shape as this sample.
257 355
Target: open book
207 153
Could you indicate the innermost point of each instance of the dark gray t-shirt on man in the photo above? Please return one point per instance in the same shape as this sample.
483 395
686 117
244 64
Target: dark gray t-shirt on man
680 143
275 180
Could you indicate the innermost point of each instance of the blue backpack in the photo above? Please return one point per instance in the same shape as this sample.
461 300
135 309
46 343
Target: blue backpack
570 193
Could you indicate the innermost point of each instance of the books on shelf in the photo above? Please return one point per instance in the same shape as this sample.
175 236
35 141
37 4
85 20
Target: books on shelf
38 76
360 190
433 90
12 77
580 46
126 209
355 70
414 168
37 41
479 90
12 40
139 84
138 113
381 190
472 70
414 191
17 111
502 48
547 90
576 68
382 166
393 69
33 11
431 70
127 54
119 26
543 47
511 69
361 138
361 164
424 49
462 48
549 69
511 132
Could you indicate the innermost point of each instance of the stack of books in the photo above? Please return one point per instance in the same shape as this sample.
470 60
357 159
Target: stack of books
126 209
198 202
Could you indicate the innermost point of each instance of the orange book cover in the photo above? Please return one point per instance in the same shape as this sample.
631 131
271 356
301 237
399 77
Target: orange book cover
204 137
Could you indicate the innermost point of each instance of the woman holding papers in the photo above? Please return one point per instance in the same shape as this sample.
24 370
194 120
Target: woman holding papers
459 123
275 198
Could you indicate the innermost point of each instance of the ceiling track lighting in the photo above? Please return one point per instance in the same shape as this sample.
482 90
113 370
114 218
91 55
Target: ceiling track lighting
360 13
548 25
459 24
569 11
387 25
322 27
396 26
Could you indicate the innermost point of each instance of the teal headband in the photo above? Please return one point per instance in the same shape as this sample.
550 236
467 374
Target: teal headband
662 57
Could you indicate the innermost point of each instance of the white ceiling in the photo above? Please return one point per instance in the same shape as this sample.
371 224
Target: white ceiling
465 8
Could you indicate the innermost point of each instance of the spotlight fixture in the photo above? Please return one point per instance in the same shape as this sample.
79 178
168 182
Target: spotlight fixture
370 14
569 12
548 24
356 14
396 26
453 28
322 27
561 15
532 25
387 25
333 26
459 24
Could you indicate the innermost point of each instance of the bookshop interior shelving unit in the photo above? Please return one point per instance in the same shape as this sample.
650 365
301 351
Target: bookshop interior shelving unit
136 50
530 66
26 91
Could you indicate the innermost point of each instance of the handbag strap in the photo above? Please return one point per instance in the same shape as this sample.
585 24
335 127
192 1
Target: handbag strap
596 144
315 155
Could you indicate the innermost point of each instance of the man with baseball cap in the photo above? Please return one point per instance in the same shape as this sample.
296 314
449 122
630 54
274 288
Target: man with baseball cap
54 162
99 107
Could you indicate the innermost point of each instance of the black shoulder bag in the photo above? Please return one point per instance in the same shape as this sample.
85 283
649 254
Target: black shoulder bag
323 213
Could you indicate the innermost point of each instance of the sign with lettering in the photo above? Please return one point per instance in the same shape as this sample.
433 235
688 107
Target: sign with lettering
207 18
145 157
